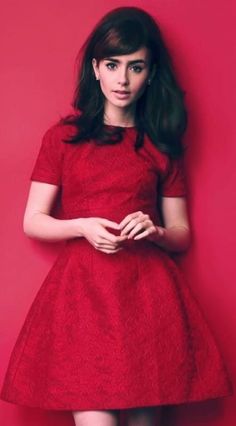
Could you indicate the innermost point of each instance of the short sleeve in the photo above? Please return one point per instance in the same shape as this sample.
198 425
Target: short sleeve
48 164
173 184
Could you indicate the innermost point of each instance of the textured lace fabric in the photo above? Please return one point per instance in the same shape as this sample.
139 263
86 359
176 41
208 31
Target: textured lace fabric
112 331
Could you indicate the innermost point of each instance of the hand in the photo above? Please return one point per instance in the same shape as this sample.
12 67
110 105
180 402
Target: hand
138 225
94 230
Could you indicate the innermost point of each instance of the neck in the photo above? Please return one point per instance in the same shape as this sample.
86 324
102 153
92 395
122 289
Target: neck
116 116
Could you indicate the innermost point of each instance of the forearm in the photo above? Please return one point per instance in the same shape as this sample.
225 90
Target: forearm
174 239
44 227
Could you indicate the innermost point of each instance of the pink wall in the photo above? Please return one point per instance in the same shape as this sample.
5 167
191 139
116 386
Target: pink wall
40 42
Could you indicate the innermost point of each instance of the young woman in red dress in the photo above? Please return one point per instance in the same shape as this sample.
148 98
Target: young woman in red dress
114 326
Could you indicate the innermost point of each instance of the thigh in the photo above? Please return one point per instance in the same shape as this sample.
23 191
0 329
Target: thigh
96 417
144 416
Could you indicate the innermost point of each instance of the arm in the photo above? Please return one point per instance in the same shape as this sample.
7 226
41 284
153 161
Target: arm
39 224
173 237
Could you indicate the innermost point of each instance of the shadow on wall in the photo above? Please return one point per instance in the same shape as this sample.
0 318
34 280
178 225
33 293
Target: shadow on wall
198 413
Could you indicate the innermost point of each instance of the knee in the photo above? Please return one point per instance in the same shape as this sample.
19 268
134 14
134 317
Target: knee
107 417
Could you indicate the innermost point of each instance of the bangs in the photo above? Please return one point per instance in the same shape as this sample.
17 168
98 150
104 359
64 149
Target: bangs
121 40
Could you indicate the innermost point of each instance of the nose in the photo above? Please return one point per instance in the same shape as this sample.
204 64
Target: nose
123 79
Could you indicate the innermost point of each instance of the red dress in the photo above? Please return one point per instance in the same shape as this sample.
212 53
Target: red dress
120 330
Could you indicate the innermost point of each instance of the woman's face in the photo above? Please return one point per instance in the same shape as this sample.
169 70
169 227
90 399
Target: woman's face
123 78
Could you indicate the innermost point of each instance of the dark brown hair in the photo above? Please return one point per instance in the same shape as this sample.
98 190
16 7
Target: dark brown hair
160 111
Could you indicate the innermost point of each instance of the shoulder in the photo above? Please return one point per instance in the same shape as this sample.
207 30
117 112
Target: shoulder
161 161
49 162
164 162
53 139
171 171
58 132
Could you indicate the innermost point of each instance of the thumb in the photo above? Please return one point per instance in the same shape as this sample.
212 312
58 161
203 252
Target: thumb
109 223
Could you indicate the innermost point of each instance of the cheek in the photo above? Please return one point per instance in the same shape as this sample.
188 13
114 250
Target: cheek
140 85
105 83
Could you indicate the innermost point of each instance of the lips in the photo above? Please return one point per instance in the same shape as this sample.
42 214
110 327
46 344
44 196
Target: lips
122 92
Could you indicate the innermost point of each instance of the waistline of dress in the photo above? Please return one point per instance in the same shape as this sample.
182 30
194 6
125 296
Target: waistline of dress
113 214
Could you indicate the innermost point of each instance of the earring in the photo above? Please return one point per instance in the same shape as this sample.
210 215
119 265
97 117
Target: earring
149 82
97 78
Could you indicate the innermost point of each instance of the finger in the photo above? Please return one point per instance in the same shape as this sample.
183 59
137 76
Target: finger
128 218
109 223
145 233
129 227
116 240
108 236
107 251
136 230
142 235
106 245
134 222
140 227
137 224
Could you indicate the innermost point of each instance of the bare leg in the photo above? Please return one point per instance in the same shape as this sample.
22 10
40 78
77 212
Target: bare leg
96 417
144 416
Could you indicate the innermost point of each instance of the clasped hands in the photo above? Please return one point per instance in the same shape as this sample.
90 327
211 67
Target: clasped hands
136 226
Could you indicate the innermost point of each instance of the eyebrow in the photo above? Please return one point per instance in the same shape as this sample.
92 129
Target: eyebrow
136 61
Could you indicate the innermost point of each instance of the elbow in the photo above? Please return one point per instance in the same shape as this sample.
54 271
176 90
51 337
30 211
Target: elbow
186 247
187 241
27 227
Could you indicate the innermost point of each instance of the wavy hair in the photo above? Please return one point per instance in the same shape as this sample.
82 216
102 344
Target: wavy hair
160 111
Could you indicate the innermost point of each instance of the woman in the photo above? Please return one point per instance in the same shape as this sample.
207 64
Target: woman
114 326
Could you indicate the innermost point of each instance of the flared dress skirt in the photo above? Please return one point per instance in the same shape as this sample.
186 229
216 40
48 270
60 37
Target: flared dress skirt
112 331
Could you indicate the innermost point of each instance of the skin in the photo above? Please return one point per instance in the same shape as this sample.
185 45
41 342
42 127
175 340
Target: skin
118 73
138 416
128 73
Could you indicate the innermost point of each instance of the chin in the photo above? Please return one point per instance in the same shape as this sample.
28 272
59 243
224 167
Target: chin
122 103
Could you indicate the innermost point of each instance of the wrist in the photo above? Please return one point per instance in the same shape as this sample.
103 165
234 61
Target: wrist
158 235
175 238
77 227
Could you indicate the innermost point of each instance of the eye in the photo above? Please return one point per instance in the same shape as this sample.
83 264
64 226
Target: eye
111 65
136 68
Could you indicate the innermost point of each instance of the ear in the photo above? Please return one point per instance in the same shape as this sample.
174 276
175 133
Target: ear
95 68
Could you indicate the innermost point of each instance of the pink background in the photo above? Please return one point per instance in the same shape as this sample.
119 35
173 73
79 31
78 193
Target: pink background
40 43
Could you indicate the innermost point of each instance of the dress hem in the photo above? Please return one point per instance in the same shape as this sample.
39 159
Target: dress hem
120 406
